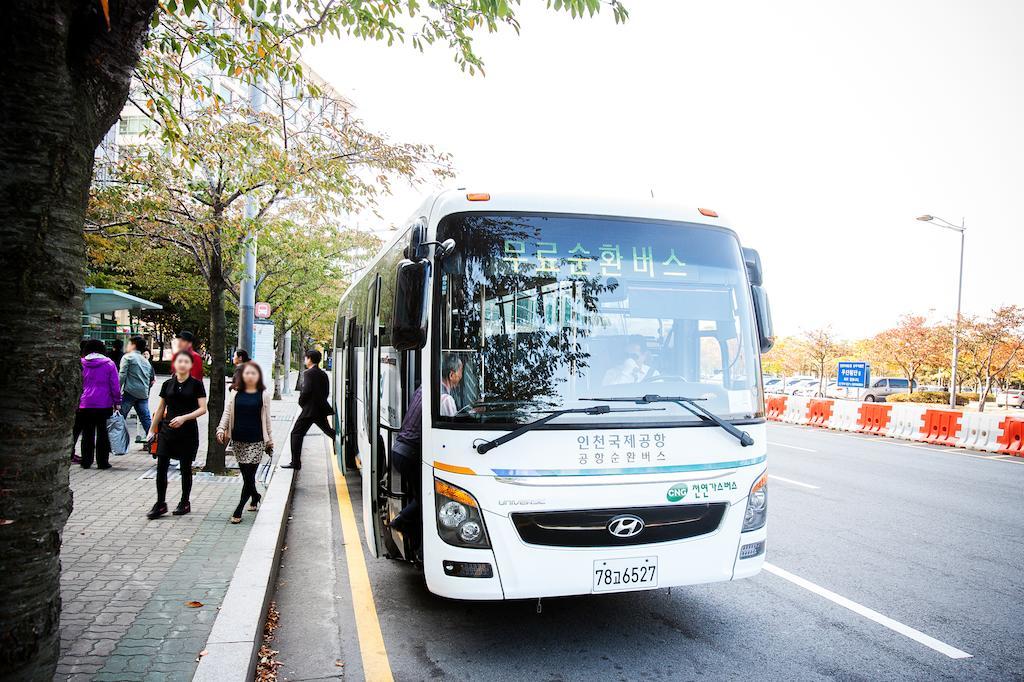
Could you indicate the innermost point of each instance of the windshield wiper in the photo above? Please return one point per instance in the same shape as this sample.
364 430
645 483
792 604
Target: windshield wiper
489 445
691 404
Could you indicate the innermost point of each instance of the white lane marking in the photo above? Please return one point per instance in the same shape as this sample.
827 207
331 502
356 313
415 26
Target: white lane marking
794 447
870 614
790 480
919 447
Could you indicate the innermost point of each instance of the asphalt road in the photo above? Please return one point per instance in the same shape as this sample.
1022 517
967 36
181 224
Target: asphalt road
914 542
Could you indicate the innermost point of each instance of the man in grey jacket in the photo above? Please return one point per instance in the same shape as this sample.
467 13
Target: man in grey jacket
137 377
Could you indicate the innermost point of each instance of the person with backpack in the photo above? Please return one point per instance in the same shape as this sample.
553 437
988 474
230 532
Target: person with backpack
246 423
137 378
101 395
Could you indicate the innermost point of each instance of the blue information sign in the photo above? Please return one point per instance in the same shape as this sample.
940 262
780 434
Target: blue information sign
854 375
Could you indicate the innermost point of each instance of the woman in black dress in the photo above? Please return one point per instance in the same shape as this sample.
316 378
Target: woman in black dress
182 401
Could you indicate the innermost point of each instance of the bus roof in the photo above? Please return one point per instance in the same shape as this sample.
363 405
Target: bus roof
458 201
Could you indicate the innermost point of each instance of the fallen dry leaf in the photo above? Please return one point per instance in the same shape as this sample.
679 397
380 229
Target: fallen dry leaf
339 663
193 604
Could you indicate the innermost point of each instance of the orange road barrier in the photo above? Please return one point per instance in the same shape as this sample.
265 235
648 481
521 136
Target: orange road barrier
819 411
775 406
874 418
941 427
1011 442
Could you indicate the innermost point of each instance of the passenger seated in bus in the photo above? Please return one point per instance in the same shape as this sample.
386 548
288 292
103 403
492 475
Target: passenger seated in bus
634 367
451 377
406 454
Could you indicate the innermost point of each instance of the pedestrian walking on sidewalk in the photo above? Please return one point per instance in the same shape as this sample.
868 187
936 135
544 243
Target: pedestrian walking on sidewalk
246 423
101 395
315 408
182 402
137 378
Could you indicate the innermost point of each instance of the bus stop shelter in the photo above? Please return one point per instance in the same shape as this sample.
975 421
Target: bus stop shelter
110 314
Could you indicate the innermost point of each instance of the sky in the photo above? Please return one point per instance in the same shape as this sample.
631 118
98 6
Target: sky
818 129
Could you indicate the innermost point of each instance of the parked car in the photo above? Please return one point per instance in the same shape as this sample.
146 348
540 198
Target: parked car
773 385
881 388
793 382
1013 397
808 387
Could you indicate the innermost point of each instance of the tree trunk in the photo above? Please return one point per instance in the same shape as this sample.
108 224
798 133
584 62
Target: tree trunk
66 76
983 396
218 358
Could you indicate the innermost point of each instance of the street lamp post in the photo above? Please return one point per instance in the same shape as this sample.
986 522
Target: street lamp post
959 297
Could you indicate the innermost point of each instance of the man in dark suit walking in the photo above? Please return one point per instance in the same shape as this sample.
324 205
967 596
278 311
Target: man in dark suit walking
315 408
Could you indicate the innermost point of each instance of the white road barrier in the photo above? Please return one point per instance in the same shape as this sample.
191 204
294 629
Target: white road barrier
980 431
845 414
906 420
796 409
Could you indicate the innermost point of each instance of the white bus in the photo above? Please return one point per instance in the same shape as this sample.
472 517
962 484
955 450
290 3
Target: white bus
592 408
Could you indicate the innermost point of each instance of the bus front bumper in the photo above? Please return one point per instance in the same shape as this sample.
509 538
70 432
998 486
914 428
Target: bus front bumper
518 570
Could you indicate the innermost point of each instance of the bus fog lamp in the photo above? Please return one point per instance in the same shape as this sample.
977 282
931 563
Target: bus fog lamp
452 514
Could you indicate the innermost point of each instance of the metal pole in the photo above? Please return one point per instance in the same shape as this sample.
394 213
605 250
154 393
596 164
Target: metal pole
247 286
286 388
956 322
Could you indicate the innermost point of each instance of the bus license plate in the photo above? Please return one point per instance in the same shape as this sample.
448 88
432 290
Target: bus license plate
618 575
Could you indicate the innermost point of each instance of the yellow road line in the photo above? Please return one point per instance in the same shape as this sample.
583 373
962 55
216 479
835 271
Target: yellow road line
371 640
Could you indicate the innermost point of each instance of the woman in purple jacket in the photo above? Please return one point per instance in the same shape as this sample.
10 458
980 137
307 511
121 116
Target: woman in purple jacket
101 395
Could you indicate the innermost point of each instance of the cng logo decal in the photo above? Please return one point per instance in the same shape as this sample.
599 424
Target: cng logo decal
677 492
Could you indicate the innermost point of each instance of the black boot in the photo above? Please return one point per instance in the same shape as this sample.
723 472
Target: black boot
158 510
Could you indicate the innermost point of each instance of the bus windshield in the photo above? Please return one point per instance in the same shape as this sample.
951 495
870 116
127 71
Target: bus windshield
544 312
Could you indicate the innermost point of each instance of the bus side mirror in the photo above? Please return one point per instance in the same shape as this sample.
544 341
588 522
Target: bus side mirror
752 259
415 250
763 313
409 321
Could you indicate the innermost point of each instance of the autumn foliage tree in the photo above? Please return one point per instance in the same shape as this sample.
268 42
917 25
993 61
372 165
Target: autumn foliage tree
822 349
992 345
67 69
911 345
302 270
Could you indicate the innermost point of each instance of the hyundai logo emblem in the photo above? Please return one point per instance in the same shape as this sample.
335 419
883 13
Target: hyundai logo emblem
625 526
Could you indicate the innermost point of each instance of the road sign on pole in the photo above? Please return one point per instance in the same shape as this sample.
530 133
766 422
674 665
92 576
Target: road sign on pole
854 375
262 310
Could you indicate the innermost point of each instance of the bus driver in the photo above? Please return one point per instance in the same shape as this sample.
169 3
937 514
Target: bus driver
634 367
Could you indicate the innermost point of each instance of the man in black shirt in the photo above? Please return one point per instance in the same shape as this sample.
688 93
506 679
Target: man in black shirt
315 408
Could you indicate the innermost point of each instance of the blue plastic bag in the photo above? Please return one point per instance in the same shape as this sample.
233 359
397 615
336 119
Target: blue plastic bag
117 433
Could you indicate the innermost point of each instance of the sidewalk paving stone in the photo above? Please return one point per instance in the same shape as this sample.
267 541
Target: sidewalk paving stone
125 579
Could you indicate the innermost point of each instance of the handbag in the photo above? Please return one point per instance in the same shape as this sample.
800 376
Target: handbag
151 444
117 433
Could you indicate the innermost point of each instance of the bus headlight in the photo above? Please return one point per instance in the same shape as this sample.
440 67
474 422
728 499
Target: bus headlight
459 519
756 514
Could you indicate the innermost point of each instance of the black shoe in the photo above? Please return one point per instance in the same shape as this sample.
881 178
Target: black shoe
158 510
294 466
254 504
104 466
182 509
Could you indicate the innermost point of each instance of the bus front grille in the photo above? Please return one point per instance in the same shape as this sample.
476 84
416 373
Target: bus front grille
594 527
